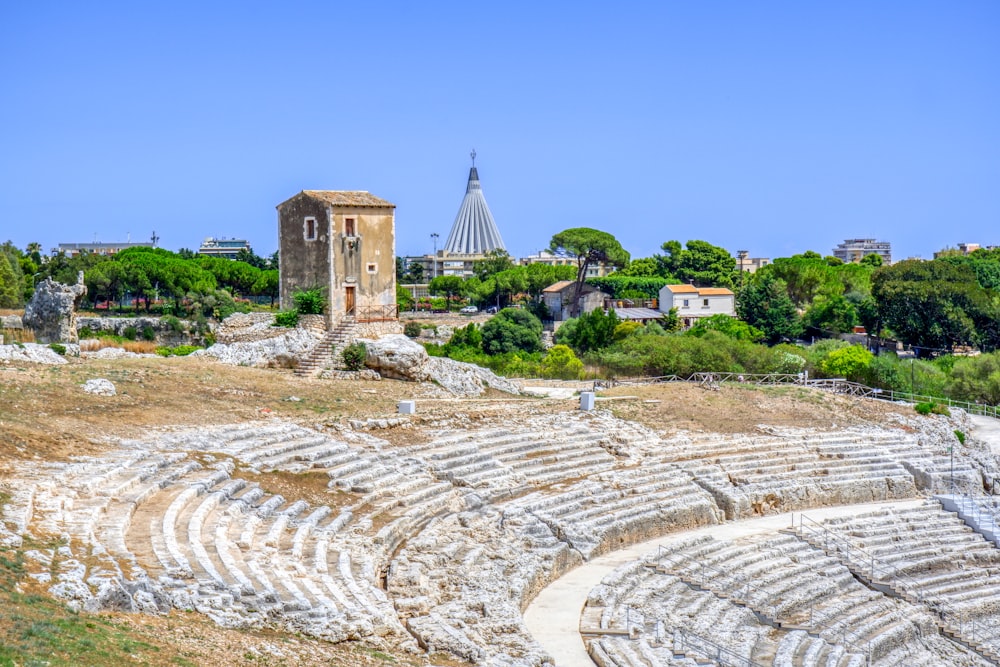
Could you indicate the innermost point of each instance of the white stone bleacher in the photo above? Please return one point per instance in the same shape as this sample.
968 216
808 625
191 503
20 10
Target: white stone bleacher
750 476
621 506
932 558
800 587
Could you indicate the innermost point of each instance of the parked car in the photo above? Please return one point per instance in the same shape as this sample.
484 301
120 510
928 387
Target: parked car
469 310
492 309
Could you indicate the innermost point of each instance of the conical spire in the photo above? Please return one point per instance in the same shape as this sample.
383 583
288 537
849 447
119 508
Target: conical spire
474 231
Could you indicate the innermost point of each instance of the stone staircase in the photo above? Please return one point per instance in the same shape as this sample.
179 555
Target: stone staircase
327 354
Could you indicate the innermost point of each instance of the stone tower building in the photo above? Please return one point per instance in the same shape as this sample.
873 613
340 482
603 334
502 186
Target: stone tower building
345 243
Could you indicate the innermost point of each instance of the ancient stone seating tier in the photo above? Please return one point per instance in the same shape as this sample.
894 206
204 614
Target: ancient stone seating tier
442 543
751 476
769 600
929 557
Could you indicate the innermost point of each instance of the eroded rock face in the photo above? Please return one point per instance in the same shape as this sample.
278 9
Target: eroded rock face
463 379
396 356
51 313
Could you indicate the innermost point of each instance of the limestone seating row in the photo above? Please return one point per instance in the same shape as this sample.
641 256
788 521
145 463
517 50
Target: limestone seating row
952 572
808 590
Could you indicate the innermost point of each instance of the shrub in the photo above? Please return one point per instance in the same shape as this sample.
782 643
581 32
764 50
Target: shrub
354 356
850 362
130 333
172 323
512 330
467 336
310 301
183 350
148 333
961 437
286 318
561 363
929 408
412 328
57 348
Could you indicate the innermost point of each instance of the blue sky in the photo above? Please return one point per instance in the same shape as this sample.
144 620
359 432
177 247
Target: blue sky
774 127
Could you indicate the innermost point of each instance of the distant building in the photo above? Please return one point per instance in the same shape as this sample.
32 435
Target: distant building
598 270
474 231
747 264
963 249
100 248
345 243
223 247
559 298
854 250
693 303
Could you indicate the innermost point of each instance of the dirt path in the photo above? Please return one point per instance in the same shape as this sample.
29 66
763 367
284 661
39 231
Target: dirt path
553 617
988 430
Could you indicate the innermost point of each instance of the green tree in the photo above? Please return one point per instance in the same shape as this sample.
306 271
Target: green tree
851 362
404 299
833 314
494 261
976 379
512 329
730 326
450 286
561 363
936 305
872 260
764 303
11 284
700 262
589 246
591 331
645 267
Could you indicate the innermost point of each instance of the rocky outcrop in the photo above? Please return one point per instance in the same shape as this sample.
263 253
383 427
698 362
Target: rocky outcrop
100 387
261 353
30 352
396 356
51 313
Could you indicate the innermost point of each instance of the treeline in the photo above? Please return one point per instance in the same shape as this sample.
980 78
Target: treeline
153 280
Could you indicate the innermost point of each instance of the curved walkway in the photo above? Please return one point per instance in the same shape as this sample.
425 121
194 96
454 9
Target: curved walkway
553 617
987 430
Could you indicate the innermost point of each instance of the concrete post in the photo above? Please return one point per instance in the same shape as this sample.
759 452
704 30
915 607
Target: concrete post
586 400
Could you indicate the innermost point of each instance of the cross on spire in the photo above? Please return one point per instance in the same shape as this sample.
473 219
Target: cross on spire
473 155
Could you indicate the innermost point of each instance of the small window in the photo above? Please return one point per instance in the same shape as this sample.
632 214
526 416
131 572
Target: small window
310 229
372 268
686 304
704 303
349 229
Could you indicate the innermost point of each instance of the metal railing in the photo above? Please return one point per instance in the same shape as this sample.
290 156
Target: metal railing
376 313
836 385
688 641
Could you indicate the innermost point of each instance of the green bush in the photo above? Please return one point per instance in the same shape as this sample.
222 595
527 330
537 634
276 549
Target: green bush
148 333
177 351
286 318
310 301
130 333
850 362
57 348
172 323
930 408
512 330
354 356
961 437
467 336
412 328
561 363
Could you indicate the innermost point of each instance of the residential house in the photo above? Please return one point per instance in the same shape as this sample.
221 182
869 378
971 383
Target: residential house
343 242
559 298
693 303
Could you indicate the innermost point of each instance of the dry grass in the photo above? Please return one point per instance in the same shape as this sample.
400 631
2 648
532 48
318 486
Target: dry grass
140 346
17 335
12 311
137 346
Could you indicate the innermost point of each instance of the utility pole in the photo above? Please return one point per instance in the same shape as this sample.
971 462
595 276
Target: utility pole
434 238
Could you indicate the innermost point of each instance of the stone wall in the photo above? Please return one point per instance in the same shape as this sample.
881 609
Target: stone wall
167 331
378 329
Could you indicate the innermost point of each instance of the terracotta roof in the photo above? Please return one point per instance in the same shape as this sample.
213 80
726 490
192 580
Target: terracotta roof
559 286
714 291
353 198
678 289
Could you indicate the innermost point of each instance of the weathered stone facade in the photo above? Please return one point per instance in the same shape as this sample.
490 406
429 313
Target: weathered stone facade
343 242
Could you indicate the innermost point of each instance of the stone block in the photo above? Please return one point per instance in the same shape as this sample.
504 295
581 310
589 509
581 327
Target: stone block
407 407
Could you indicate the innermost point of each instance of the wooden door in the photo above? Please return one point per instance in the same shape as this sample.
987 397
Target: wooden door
349 299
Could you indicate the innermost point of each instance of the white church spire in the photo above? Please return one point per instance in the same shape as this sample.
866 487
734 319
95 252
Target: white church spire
474 231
